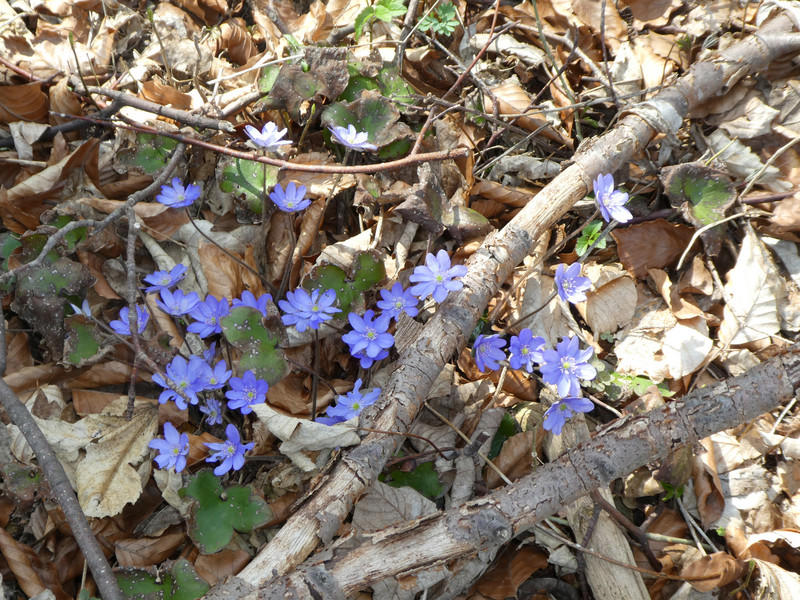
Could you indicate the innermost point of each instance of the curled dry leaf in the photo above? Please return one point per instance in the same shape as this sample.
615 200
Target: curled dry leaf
147 551
515 459
713 571
223 273
680 307
236 41
165 95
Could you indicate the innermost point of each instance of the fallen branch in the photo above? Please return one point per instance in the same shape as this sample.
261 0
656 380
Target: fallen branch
416 552
320 517
59 484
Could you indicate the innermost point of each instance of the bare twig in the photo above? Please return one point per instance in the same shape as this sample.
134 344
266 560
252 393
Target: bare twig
59 484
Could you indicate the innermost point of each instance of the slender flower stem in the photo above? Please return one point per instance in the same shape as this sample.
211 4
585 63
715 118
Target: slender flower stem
315 377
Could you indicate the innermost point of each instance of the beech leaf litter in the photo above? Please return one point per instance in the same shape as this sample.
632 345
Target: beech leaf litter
225 228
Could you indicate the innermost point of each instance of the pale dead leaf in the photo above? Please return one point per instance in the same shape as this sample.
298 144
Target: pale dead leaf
147 551
742 162
383 506
775 583
300 435
752 287
613 301
657 346
680 307
515 459
223 273
513 101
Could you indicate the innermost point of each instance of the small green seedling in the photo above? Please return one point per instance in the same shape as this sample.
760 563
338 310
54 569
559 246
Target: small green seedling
589 236
217 512
672 491
384 10
442 21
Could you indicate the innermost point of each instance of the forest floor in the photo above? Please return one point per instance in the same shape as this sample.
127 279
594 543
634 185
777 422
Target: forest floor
254 178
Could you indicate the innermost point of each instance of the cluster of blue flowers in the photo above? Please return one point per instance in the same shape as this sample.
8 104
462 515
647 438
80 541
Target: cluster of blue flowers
197 379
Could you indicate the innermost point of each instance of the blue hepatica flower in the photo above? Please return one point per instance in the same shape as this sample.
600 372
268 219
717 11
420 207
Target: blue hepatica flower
369 334
437 277
351 138
397 301
565 366
215 378
163 280
122 325
365 361
207 315
187 376
292 199
213 411
571 286
488 351
611 202
525 350
350 405
177 196
304 310
177 303
558 413
230 453
269 138
245 392
249 299
172 450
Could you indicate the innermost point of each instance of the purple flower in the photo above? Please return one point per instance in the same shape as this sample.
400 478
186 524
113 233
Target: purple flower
268 138
291 200
245 392
304 310
397 301
84 309
249 299
208 355
187 377
162 280
353 403
369 334
559 412
611 202
122 325
230 452
525 349
215 378
213 411
172 450
436 278
177 196
487 351
351 138
566 365
177 303
571 286
365 361
207 314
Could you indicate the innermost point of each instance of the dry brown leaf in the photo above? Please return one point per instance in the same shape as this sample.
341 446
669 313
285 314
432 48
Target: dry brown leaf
206 10
290 394
31 575
23 103
165 95
512 570
513 101
610 306
707 486
147 551
515 459
503 194
236 40
651 245
280 238
713 571
92 402
223 273
680 307
215 568
654 12
18 351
